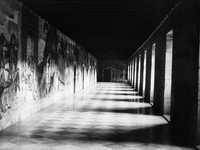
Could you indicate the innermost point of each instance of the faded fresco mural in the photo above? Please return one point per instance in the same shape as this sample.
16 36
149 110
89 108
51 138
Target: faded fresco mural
37 62
9 71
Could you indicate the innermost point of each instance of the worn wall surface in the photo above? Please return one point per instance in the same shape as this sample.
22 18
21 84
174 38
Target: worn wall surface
185 70
183 20
39 65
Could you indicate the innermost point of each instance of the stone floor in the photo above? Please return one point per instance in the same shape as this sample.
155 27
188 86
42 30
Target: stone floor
111 116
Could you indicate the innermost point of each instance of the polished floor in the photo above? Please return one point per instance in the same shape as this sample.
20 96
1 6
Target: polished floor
110 116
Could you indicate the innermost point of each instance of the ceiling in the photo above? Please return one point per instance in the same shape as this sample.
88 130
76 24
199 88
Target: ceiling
109 29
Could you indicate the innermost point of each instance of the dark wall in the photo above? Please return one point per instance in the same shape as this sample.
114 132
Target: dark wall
185 114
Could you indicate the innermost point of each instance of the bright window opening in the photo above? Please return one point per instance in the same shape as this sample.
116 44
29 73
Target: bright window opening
139 71
135 76
144 72
168 74
152 73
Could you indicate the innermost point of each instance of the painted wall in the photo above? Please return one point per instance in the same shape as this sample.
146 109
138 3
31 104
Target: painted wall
39 65
10 99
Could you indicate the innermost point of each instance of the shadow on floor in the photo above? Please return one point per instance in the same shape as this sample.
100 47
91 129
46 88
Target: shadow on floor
156 135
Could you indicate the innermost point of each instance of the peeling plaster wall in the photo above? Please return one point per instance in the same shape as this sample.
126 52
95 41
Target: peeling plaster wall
39 65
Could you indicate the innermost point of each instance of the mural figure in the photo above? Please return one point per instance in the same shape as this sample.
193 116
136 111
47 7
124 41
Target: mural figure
42 42
48 56
49 72
62 53
9 73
